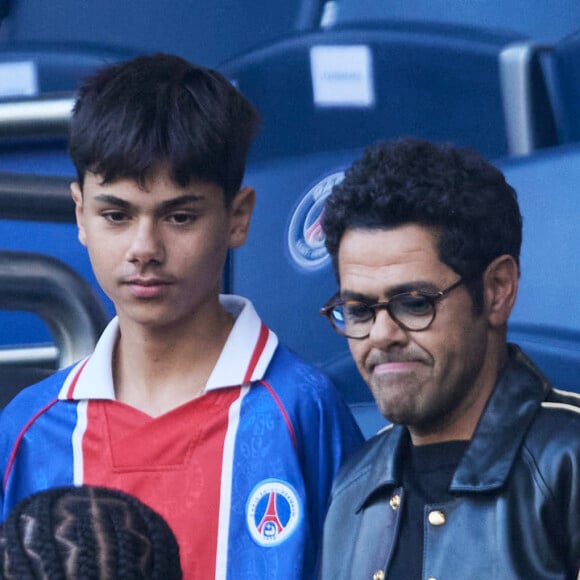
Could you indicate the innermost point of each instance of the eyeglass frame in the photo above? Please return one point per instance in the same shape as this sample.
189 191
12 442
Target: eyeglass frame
432 297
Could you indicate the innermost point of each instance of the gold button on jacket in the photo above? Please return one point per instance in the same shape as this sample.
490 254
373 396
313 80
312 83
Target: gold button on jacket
436 518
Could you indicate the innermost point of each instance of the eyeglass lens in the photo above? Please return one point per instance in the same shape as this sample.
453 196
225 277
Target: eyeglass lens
412 311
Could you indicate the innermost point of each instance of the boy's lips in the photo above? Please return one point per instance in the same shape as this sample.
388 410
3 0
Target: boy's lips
147 287
146 281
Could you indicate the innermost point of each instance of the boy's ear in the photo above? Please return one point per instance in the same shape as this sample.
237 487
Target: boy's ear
500 288
240 215
77 196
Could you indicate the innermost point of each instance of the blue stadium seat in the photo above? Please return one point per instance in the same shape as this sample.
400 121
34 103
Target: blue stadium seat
346 87
547 186
546 21
37 86
51 68
203 32
565 84
4 7
546 319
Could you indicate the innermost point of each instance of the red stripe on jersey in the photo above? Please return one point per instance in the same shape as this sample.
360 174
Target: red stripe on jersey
19 439
258 350
73 384
173 463
284 413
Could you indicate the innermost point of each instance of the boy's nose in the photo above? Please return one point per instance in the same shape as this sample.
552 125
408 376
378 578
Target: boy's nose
146 244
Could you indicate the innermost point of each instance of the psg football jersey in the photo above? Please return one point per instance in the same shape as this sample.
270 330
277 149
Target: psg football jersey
242 474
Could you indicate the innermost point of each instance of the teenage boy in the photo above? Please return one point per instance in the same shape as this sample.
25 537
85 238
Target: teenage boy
188 401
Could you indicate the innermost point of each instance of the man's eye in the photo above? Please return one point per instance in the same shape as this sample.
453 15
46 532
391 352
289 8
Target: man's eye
414 304
357 312
181 218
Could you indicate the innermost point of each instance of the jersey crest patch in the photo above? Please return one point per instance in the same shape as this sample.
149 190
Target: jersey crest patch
272 512
305 233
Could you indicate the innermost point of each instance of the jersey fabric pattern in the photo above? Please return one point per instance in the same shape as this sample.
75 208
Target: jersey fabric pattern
242 474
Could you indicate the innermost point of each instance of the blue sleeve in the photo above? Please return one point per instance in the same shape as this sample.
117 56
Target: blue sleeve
14 419
326 434
327 439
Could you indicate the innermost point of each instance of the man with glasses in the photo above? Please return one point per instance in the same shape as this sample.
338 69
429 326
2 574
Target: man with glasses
479 473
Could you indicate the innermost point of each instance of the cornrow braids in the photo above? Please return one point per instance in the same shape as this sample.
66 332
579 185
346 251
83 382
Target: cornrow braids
87 532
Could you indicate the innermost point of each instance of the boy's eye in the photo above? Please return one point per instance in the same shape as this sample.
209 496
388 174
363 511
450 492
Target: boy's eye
115 216
181 218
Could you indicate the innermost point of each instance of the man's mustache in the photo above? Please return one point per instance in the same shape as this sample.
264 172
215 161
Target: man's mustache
378 357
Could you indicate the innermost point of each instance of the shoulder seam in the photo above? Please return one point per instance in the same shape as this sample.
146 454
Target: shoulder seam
19 438
353 478
351 481
283 411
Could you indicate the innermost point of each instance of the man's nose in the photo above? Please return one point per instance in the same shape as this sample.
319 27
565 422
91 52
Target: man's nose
386 331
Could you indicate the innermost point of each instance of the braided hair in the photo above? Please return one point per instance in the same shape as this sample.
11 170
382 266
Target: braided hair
88 533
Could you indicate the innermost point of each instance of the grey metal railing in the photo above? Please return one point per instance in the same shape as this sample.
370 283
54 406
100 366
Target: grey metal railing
53 291
36 197
48 116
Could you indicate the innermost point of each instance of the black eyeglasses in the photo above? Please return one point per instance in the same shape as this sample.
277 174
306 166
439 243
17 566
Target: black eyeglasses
413 310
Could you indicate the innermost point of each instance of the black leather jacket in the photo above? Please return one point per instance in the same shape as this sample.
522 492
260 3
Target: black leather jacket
516 506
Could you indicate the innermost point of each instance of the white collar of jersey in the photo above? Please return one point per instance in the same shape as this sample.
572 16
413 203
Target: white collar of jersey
248 348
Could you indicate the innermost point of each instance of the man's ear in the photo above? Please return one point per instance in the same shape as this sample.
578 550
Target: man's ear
500 289
240 215
77 196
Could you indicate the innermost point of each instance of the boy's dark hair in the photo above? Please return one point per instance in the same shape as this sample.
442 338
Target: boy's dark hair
69 533
160 112
453 190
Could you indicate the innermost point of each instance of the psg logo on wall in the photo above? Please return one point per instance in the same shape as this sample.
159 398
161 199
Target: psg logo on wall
272 512
305 233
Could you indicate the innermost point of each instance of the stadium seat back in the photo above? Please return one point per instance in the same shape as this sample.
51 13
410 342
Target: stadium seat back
545 21
347 87
565 82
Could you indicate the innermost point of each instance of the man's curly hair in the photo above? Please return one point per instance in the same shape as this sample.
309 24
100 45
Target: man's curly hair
86 533
467 202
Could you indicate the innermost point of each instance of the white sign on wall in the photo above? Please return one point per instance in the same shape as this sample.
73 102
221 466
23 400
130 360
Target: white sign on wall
18 79
342 76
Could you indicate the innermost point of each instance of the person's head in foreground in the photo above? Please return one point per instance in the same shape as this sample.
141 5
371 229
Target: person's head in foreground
85 533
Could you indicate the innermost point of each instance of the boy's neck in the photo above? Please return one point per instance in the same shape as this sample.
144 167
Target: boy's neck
156 370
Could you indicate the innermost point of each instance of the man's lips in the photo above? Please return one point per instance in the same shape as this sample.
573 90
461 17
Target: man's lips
394 367
394 363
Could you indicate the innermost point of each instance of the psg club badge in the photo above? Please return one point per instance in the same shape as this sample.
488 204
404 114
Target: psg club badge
305 233
272 512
